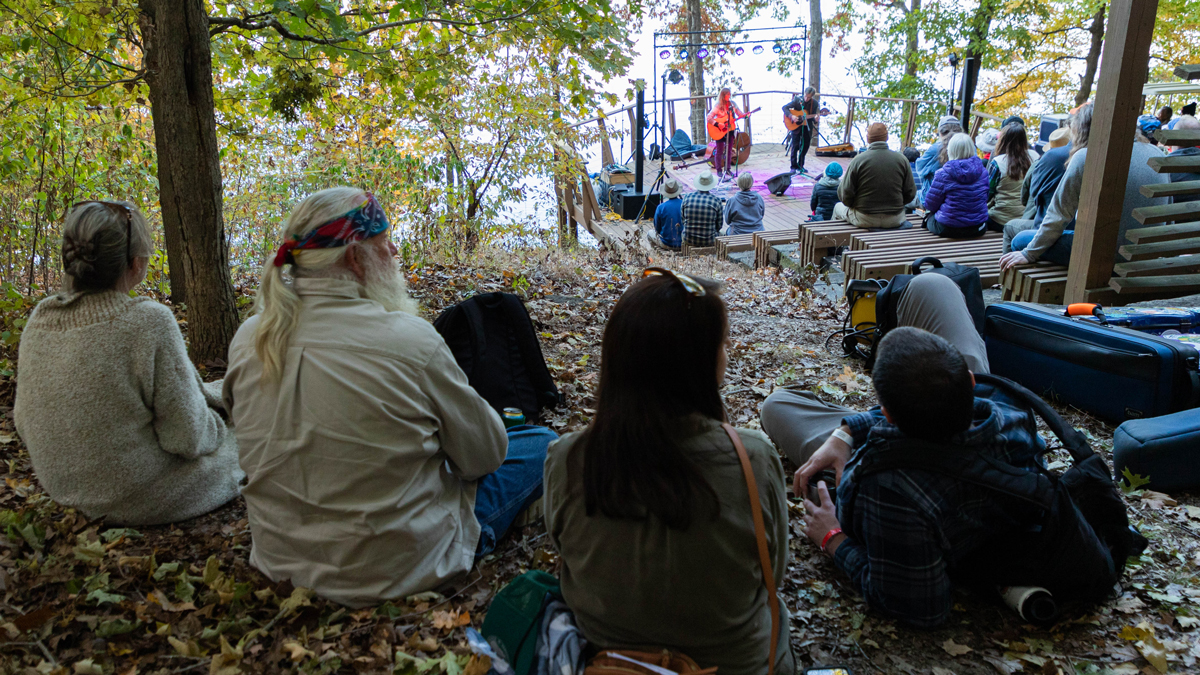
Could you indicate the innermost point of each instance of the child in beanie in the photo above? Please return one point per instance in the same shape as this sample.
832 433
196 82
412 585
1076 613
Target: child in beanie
825 193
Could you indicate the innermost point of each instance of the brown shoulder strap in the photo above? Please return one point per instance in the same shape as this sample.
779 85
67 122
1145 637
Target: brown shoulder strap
760 533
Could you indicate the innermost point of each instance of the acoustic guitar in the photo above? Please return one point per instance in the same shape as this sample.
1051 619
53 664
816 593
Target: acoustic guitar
718 129
799 119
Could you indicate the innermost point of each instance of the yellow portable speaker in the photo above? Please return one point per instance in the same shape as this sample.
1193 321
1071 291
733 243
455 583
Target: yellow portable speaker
859 328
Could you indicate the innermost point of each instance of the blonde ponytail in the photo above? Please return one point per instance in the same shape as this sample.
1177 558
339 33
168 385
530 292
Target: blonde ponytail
277 304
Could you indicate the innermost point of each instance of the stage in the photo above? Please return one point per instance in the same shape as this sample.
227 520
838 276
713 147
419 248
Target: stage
766 160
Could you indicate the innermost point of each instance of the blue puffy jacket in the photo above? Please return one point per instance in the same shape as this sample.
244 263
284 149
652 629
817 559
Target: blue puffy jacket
959 193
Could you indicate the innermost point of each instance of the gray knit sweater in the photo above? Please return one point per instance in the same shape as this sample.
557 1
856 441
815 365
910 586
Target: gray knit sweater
117 420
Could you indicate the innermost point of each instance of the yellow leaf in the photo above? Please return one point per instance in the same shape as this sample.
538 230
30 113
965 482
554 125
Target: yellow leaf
954 649
189 648
296 651
300 598
228 662
478 665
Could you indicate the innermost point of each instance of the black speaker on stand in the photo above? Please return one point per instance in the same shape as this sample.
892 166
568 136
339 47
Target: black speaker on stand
628 203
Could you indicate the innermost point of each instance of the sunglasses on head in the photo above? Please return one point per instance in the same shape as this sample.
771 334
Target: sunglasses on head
689 284
119 209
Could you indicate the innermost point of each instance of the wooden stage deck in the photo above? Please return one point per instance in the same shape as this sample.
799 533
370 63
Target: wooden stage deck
782 213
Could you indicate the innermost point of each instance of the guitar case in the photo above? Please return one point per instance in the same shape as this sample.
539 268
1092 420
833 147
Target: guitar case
779 183
839 150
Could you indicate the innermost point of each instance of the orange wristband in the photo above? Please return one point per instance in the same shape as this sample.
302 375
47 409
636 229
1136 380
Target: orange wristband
830 535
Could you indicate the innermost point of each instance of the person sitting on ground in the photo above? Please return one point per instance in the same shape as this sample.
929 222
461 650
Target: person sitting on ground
1186 123
375 471
1043 178
935 157
118 422
1052 240
825 193
1147 125
648 507
1006 174
744 213
877 185
668 217
799 423
702 215
902 535
1164 115
956 204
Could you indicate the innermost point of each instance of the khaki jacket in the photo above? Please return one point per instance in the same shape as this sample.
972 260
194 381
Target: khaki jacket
361 462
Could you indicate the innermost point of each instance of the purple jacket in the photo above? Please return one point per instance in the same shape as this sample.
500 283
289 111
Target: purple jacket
959 194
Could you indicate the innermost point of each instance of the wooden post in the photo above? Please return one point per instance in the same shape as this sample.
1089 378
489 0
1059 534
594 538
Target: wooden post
912 125
1125 62
606 156
746 108
849 119
975 124
671 115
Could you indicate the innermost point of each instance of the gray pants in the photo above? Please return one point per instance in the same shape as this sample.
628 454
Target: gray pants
798 422
1013 228
857 218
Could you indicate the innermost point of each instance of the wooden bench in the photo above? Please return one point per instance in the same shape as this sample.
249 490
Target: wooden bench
734 243
818 236
1042 282
765 243
690 250
983 253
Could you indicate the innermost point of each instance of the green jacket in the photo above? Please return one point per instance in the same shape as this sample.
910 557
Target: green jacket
878 180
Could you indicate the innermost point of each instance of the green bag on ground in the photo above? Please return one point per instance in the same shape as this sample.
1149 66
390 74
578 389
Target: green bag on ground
514 619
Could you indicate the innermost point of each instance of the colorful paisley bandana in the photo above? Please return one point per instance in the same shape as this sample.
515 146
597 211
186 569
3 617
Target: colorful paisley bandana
364 222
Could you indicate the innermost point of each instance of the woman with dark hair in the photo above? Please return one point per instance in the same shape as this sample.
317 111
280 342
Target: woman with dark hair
648 507
1010 162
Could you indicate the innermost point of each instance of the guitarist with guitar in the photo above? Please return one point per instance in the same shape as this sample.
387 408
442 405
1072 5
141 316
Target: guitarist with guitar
800 117
722 127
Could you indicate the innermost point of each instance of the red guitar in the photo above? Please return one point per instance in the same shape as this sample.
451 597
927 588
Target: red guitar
718 129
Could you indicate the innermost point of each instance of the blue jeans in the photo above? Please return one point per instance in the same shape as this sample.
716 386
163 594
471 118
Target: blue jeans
1059 253
504 493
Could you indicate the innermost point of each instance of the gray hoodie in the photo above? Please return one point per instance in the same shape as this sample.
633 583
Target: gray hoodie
744 212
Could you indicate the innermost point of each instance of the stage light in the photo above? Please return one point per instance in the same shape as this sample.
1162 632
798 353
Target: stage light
674 77
795 47
739 51
664 54
777 48
721 51
702 52
757 49
683 55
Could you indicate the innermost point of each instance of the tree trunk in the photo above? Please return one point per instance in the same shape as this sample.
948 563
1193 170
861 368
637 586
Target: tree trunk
1093 58
911 52
816 31
696 74
179 74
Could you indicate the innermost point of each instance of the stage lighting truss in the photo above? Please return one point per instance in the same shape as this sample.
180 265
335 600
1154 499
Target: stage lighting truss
758 49
702 53
664 54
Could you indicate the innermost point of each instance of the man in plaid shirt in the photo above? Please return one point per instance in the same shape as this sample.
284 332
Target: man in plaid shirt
900 534
702 213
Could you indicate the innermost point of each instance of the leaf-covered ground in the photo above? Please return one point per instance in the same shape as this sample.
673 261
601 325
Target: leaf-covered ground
79 596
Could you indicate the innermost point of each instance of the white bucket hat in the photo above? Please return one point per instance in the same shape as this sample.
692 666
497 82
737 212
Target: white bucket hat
705 182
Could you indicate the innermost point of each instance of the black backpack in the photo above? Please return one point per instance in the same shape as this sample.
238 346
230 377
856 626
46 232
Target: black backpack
1073 535
493 341
966 278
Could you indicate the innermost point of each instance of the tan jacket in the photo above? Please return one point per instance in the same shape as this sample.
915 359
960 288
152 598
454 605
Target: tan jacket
361 462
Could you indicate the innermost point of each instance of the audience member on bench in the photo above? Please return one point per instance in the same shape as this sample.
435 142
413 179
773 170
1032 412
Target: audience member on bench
799 422
668 217
702 213
375 471
901 534
648 507
744 211
1042 180
1185 123
825 193
1006 175
1052 240
935 157
118 423
957 202
877 185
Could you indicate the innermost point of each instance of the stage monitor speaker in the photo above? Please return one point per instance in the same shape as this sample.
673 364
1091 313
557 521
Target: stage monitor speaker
627 203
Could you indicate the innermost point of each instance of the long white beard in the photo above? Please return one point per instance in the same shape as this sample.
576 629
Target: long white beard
384 283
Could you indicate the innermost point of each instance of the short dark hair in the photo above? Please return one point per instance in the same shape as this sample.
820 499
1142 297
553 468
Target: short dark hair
924 384
912 154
